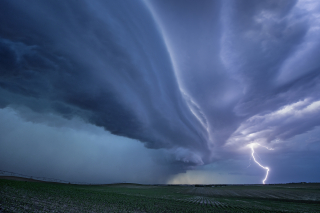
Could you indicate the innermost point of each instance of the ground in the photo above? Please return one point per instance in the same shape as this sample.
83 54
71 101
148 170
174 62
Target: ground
20 195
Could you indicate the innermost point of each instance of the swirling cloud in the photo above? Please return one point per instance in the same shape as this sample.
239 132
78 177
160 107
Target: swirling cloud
200 79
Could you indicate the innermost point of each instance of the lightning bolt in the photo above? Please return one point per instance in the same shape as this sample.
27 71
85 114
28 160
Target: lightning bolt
252 154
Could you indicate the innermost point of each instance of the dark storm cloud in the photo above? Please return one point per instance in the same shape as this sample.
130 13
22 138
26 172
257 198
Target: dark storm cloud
274 55
103 61
250 60
199 78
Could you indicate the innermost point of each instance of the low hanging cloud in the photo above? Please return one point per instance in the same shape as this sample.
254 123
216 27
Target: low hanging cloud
198 79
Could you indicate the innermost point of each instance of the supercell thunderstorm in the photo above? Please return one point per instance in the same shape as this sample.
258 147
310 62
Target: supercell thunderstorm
198 79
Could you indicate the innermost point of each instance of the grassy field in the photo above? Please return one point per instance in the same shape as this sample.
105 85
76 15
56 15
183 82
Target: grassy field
24 196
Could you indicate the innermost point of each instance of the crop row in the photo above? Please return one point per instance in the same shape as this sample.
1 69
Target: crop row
29 197
276 198
215 205
292 194
44 197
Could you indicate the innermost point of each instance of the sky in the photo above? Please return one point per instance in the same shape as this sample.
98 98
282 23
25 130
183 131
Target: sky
161 91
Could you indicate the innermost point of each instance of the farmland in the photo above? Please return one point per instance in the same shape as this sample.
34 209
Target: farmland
25 196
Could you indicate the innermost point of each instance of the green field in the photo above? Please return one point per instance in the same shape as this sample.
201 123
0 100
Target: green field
24 196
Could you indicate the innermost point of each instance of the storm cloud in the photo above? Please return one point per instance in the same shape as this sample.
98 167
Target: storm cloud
95 60
195 80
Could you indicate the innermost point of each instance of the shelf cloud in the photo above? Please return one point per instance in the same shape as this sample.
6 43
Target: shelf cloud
197 79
